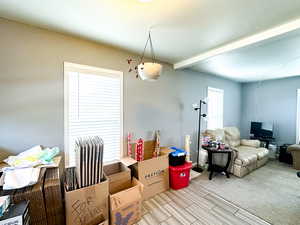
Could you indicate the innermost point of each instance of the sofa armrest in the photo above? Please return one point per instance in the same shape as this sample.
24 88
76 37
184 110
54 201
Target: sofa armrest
250 143
293 148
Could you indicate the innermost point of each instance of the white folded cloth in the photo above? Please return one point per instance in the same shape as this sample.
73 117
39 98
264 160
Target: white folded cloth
19 178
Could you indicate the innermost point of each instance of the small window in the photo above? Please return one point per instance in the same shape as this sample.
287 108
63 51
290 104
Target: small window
93 107
215 108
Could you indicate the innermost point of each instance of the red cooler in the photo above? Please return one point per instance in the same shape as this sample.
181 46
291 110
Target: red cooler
180 176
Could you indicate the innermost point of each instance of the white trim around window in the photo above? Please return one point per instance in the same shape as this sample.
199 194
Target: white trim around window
215 108
86 108
298 118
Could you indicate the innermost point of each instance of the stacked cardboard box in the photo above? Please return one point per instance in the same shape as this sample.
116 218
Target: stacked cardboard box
53 197
126 205
125 195
119 177
34 194
152 172
45 198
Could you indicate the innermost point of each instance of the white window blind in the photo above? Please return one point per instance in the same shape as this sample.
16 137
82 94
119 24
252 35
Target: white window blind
93 106
215 108
298 117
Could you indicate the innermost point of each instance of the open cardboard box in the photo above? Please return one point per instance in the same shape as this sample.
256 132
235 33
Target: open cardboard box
88 205
119 176
153 173
126 205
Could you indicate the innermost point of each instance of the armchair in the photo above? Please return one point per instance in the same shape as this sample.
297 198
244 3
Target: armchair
295 151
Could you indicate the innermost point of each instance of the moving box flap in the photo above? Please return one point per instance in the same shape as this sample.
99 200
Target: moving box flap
116 171
124 197
135 182
164 151
128 161
119 177
104 223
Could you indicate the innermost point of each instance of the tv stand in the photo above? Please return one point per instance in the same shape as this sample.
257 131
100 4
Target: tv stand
267 140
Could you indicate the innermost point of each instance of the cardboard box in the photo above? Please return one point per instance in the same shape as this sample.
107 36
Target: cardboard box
126 205
88 205
119 177
153 173
105 222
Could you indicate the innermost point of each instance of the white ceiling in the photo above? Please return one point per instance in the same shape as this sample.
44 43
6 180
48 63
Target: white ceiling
181 28
277 57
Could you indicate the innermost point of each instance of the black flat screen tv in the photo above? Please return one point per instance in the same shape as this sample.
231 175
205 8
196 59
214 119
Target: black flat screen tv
262 129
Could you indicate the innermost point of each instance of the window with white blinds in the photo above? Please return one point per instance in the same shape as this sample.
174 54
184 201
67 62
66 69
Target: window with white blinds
215 104
93 106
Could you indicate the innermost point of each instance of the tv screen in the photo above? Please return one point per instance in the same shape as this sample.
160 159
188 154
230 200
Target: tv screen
255 127
262 129
267 126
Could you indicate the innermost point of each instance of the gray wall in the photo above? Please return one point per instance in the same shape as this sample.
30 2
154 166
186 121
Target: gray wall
271 101
31 90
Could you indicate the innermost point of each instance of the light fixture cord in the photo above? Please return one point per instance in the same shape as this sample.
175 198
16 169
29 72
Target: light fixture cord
151 48
141 60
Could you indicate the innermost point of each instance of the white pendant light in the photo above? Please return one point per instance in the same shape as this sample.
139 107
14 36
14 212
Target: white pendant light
149 71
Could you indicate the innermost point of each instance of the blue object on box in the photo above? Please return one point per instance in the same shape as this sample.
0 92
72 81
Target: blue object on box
178 152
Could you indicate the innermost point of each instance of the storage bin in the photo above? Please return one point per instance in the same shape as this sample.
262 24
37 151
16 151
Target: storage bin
180 175
177 157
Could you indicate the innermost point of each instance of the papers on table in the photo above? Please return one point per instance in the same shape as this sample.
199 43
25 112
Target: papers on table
19 178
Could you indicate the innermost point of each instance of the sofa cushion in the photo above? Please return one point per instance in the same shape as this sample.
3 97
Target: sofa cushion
232 136
248 155
261 153
245 155
251 143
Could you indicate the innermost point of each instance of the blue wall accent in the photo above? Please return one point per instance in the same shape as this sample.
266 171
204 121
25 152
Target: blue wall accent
271 101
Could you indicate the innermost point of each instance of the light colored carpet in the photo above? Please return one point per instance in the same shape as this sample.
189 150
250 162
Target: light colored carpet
271 192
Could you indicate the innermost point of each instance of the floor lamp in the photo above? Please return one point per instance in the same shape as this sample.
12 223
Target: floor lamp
199 108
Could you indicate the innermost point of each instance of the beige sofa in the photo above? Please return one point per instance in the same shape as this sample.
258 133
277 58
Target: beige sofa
248 155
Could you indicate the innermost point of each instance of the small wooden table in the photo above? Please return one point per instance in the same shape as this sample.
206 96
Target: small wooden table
217 168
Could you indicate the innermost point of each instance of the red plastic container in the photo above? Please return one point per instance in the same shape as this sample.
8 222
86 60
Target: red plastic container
180 176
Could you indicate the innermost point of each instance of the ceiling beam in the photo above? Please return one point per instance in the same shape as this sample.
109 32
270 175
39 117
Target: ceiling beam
267 34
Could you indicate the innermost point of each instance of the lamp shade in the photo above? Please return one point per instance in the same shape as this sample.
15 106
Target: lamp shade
149 71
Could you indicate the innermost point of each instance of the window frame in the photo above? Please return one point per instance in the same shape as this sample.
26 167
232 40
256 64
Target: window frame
298 118
223 95
69 66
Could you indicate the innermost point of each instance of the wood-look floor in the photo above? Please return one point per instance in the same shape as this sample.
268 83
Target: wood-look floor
194 205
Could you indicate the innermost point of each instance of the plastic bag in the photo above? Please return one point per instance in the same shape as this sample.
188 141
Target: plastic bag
32 157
